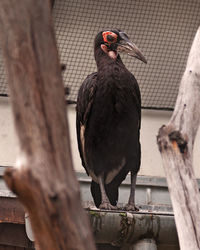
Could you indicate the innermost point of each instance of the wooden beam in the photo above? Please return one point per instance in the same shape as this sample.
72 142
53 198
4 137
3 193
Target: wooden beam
14 235
3 247
175 141
43 179
11 211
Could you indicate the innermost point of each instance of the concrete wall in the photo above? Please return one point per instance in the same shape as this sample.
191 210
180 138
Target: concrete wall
151 122
8 139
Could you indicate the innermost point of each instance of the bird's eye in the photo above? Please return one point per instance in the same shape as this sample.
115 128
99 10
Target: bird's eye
109 37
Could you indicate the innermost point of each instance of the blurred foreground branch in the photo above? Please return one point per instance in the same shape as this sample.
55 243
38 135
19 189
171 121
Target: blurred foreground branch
43 179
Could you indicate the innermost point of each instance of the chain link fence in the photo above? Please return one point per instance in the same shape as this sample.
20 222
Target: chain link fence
163 30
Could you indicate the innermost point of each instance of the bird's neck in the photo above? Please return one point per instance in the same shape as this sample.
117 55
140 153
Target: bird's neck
103 60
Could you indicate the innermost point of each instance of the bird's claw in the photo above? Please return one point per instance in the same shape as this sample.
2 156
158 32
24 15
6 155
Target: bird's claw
131 207
107 206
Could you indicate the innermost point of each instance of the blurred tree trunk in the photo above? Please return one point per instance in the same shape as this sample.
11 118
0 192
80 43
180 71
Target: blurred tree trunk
176 141
43 178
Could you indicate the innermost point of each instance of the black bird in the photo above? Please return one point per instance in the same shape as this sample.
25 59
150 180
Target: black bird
108 120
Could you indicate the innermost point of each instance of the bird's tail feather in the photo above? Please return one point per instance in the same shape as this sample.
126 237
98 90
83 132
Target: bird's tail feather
111 191
111 188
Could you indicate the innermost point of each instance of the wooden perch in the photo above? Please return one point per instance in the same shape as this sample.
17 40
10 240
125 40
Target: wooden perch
175 141
43 179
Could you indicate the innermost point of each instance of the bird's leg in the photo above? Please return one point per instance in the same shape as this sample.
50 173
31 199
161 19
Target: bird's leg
105 203
131 203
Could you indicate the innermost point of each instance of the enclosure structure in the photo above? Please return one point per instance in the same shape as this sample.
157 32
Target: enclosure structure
164 31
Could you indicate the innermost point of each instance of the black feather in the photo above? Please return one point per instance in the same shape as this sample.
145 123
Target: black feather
109 108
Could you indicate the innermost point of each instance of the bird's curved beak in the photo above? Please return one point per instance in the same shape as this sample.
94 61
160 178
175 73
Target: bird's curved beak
126 46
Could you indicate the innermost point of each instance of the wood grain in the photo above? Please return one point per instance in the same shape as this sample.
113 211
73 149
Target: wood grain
175 141
43 179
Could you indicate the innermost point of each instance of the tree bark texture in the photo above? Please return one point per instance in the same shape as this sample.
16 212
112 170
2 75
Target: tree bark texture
175 141
43 178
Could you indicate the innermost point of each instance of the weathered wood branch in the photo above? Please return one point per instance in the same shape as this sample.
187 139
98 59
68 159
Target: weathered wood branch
43 179
175 141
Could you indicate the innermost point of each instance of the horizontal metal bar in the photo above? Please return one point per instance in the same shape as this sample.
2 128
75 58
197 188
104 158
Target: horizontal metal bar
119 228
141 180
4 95
124 228
7 194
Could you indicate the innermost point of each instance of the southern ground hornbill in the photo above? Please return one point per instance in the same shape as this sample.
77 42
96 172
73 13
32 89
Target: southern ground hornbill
108 120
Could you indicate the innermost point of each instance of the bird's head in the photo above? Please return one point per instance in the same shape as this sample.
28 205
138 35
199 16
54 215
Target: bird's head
114 41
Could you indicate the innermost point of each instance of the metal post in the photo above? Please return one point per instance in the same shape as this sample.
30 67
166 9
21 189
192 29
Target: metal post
145 244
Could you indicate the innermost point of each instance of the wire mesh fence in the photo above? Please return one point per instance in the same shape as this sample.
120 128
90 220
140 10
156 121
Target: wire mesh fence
163 30
3 83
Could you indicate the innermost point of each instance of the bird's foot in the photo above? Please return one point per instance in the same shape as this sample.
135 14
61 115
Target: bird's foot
131 207
107 206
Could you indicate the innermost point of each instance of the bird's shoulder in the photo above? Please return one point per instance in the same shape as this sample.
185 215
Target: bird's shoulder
135 87
135 91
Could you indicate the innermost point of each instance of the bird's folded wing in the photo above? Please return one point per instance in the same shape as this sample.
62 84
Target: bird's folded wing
84 104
